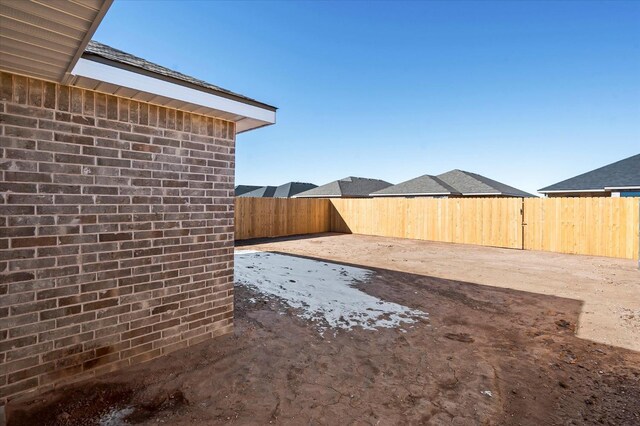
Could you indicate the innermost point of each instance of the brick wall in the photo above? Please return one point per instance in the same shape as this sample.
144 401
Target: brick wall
116 238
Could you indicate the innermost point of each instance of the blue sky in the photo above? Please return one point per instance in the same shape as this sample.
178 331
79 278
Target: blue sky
524 93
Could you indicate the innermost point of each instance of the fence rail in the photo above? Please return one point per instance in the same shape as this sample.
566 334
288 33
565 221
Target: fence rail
592 226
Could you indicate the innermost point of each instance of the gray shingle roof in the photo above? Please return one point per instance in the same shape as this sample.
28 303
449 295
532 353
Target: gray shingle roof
96 49
422 185
348 187
243 189
261 192
290 189
468 183
623 173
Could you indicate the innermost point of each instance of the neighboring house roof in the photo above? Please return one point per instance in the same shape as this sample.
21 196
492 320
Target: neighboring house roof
348 187
423 185
623 174
467 183
261 192
243 189
290 189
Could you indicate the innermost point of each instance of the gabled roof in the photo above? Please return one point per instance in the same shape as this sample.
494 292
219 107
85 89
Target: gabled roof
348 187
290 189
423 185
261 192
243 189
623 174
467 183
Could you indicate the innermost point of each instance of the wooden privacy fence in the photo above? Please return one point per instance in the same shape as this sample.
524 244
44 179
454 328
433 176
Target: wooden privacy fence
278 217
595 226
483 221
592 226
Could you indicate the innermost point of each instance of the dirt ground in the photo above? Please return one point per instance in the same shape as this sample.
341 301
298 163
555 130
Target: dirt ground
489 352
609 288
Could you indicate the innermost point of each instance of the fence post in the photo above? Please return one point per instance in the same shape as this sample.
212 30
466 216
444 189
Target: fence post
523 224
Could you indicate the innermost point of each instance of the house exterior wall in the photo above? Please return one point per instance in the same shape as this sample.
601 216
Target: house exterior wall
116 242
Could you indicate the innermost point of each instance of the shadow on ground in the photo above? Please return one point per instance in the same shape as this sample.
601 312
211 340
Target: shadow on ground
486 355
254 241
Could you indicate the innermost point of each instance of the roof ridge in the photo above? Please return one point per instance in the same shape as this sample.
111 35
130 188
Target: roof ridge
484 184
419 185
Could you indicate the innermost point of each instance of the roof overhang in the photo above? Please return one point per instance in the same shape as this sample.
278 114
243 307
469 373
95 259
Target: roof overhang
112 78
606 189
559 191
317 196
45 39
473 194
622 188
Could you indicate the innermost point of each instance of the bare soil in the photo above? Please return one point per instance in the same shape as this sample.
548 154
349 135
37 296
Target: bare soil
609 288
488 354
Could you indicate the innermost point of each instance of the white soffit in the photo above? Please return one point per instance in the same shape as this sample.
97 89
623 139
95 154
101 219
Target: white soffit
121 82
44 38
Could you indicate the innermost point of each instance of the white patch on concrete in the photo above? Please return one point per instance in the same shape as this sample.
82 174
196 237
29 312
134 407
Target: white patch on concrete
322 291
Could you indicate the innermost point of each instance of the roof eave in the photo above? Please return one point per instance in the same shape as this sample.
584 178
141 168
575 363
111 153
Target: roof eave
225 94
316 196
605 189
470 194
241 126
85 41
409 194
32 32
555 191
622 188
109 77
